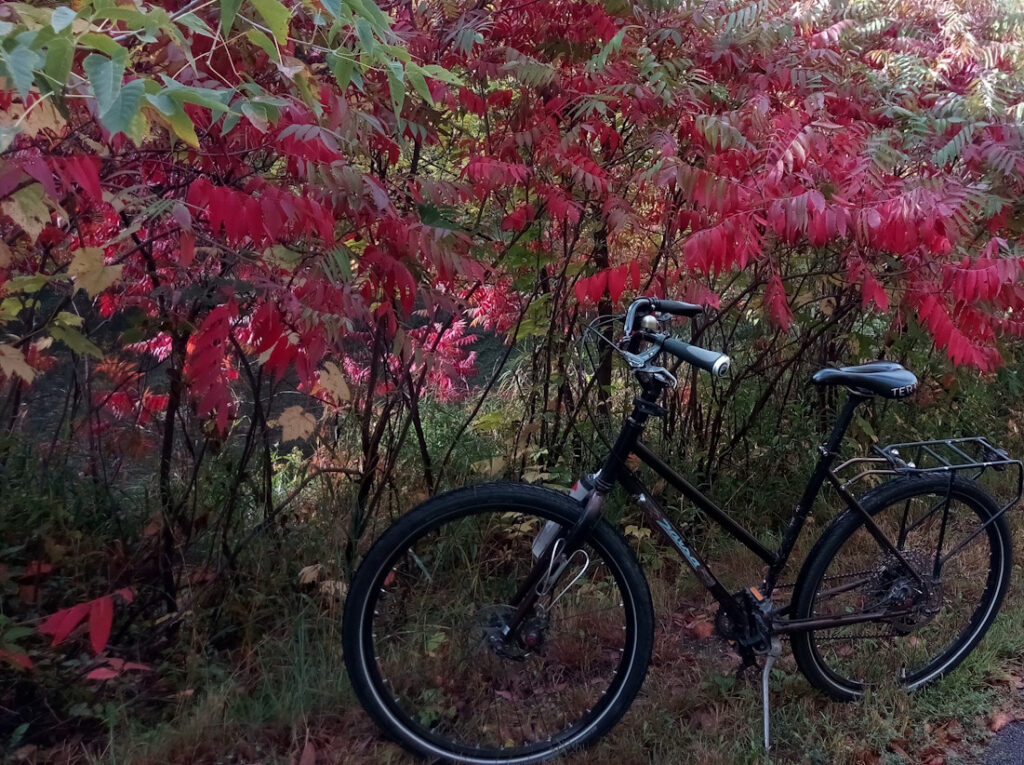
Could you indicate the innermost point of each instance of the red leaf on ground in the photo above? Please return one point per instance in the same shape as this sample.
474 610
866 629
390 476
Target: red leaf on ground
127 594
102 673
36 569
308 756
17 659
101 618
61 623
701 629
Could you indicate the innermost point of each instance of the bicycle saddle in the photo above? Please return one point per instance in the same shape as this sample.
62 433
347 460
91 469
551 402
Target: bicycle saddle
879 378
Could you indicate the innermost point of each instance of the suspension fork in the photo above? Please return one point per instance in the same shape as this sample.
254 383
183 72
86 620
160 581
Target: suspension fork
526 596
529 592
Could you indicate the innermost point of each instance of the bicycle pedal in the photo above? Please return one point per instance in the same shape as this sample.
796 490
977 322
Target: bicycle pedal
769 661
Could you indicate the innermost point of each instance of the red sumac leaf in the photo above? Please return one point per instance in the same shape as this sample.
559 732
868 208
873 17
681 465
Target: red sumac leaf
85 171
102 673
775 302
873 292
617 282
127 594
60 624
101 619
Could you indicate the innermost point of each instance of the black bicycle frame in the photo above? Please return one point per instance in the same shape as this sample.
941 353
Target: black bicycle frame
615 471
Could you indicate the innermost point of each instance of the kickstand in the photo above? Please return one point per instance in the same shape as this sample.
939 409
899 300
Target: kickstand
769 660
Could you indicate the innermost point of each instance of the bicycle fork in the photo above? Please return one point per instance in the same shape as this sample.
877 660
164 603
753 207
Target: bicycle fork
547 548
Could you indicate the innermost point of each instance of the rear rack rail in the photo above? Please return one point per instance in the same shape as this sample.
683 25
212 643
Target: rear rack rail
972 454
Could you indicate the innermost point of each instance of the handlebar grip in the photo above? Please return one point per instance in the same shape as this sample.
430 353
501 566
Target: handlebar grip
676 307
711 361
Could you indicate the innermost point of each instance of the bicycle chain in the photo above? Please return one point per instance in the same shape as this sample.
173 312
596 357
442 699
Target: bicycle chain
820 637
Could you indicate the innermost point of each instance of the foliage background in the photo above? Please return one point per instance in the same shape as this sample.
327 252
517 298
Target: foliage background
272 270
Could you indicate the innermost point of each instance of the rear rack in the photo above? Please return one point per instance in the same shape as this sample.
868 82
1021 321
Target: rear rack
973 454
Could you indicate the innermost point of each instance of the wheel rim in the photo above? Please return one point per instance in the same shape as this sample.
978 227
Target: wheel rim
942 617
437 602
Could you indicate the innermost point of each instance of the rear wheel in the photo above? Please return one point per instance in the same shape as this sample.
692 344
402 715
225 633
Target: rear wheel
933 601
425 643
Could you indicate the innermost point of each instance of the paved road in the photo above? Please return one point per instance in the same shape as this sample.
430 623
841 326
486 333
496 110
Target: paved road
1007 747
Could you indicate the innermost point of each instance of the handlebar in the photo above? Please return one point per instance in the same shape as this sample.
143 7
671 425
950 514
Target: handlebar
711 361
676 307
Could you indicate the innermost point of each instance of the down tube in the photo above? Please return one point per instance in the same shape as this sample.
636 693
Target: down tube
661 521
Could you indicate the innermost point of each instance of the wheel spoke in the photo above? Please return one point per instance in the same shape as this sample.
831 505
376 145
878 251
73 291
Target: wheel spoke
929 607
456 678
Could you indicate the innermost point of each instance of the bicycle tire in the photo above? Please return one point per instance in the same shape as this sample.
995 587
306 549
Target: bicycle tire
385 604
833 659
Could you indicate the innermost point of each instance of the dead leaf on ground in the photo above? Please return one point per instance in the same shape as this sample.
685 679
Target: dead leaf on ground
333 588
308 756
700 629
999 720
309 574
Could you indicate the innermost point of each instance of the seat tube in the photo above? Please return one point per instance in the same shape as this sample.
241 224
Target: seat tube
828 451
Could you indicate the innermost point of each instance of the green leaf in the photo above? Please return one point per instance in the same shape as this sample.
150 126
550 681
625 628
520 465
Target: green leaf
341 68
372 15
440 73
257 114
228 11
105 76
177 119
419 84
76 341
333 7
276 16
365 34
123 111
214 100
104 44
20 64
396 85
60 55
257 38
62 17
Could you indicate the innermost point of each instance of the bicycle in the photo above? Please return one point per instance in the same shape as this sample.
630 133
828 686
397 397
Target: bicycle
509 623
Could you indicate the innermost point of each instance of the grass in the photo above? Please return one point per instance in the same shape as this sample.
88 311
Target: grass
289 694
275 687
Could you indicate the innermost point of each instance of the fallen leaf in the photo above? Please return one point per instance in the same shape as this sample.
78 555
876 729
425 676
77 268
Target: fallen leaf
999 720
310 573
101 618
102 673
17 659
700 629
489 467
308 756
333 587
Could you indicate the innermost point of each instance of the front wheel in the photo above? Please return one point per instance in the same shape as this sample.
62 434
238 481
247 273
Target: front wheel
425 637
930 604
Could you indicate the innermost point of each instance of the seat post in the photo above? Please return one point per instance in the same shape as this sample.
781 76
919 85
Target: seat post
835 439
